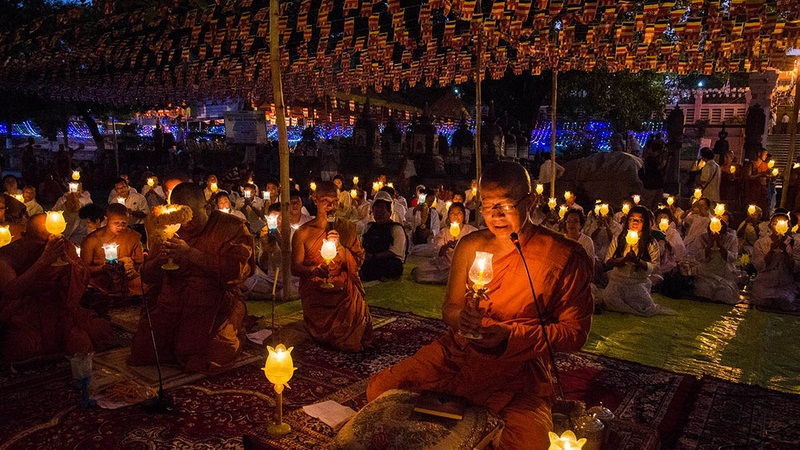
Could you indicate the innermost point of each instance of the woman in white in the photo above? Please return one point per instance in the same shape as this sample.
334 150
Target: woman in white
602 229
574 221
776 257
629 283
438 269
716 253
671 247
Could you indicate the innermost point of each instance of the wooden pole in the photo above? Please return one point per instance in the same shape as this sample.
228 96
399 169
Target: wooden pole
792 141
283 144
553 137
116 145
478 120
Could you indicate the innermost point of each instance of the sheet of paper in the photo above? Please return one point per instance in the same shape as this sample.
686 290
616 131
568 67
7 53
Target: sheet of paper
330 412
259 336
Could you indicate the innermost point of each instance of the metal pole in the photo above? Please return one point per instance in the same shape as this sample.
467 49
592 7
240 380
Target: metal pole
553 137
116 146
792 140
478 119
283 143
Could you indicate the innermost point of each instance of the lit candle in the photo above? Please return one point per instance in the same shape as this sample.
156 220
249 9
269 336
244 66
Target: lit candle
567 441
5 235
796 166
248 193
626 207
121 200
375 187
771 163
663 225
421 199
716 225
73 187
719 209
670 200
794 228
539 189
636 199
380 185
391 185
313 186
171 230
76 175
567 195
267 195
151 182
698 193
353 193
214 187
597 209
455 229
775 172
751 210
328 250
474 191
279 366
55 223
781 227
225 210
632 238
604 209
552 203
701 164
733 169
562 211
481 272
355 180
111 251
78 250
272 222
447 205
19 197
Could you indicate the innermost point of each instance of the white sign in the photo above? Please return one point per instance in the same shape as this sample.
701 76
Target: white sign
246 127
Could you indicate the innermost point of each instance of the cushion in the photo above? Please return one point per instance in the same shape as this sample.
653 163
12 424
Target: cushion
389 422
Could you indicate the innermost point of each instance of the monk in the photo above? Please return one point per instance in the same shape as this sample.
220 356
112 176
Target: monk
200 308
39 302
129 254
338 316
508 370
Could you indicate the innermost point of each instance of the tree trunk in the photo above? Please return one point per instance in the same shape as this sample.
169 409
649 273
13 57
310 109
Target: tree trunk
92 125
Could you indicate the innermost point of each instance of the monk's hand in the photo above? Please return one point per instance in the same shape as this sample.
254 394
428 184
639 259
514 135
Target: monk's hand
333 235
178 248
127 264
470 317
494 335
321 271
53 250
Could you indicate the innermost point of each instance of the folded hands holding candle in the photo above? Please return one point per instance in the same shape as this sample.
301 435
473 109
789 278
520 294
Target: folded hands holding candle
473 320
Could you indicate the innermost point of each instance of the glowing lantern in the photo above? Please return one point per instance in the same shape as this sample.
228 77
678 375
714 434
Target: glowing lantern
279 369
481 272
110 251
539 189
248 193
19 197
663 225
55 225
670 200
328 253
567 195
781 227
597 210
719 209
455 229
771 163
151 182
626 207
552 203
421 199
604 209
353 193
375 187
355 180
391 185
636 199
76 175
214 187
73 187
733 169
567 441
313 186
5 236
751 210
632 238
716 225
169 233
121 200
272 222
698 193
775 172
562 211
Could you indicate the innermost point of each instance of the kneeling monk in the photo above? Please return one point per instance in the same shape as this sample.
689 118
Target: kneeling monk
508 370
337 316
200 308
40 303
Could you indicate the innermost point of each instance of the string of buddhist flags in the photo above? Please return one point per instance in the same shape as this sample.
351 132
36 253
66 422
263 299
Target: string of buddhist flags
181 52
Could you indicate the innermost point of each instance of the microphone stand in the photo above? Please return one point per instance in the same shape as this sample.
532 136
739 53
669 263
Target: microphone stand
162 403
560 392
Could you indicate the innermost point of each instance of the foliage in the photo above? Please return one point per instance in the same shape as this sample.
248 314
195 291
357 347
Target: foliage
624 98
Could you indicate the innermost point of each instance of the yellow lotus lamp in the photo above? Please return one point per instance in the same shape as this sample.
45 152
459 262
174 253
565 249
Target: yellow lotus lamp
751 210
151 182
775 172
353 193
121 200
670 200
481 274
313 186
719 209
376 187
328 253
167 219
248 193
391 185
73 187
562 211
663 225
698 193
715 226
794 228
55 225
214 187
771 163
272 222
636 199
567 441
447 205
552 203
279 369
380 185
597 209
733 169
111 252
474 191
355 180
5 236
781 227
169 232
632 238
539 189
76 175
267 196
701 164
19 197
796 166
567 195
604 209
455 229
421 198
626 208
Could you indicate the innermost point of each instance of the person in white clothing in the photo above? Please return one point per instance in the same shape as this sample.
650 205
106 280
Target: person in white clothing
574 221
222 202
438 269
716 253
134 201
545 170
670 243
154 194
112 196
33 207
776 257
710 174
424 226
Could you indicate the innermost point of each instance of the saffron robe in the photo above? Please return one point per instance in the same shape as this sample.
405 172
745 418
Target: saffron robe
512 382
338 317
200 308
47 318
130 246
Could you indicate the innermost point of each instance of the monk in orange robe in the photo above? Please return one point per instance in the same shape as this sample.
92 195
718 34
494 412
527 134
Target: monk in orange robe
40 303
129 254
508 370
336 316
199 311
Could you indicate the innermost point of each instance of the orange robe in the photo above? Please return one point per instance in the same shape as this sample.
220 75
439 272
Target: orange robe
338 317
130 245
511 382
47 318
200 308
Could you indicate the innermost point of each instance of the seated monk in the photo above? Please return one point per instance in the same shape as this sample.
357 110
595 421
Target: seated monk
39 302
104 276
508 369
338 316
199 310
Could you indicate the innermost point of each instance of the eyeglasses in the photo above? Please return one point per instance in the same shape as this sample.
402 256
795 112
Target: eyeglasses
505 208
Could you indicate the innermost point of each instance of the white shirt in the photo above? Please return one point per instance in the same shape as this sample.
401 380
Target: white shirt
135 202
33 208
112 196
545 175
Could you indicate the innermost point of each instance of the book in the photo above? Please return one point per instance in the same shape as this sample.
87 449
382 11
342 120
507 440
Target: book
441 405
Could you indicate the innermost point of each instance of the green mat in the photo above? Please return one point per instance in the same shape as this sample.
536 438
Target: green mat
729 342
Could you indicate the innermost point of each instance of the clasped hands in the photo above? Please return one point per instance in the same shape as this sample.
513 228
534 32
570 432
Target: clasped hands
472 320
175 248
57 247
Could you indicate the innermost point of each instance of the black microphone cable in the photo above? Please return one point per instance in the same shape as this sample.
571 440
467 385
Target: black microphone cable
560 393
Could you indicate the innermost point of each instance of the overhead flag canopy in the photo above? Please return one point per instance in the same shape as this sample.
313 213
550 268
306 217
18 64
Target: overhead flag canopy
183 52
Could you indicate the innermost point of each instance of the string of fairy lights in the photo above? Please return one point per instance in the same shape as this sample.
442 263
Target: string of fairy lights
595 134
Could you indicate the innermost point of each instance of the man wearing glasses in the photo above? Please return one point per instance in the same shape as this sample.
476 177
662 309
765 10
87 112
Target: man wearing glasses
508 369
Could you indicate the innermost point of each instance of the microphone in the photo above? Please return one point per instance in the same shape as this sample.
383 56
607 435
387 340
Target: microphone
560 393
162 403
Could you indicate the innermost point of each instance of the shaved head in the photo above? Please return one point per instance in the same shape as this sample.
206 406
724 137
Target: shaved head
36 227
326 187
509 176
189 194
